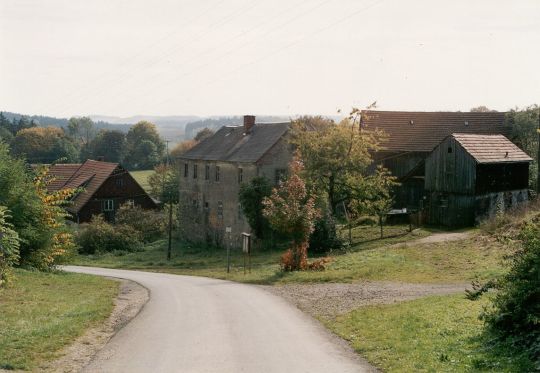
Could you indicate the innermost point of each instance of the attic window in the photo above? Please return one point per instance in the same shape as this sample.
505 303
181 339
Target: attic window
450 149
411 122
466 123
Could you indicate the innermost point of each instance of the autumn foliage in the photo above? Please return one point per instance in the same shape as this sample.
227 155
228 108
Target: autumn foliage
291 211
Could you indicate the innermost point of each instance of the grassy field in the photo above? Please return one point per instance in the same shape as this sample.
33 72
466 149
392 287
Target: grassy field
372 259
40 313
142 178
433 334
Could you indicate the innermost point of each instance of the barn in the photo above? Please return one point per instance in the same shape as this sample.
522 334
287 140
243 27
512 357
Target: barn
471 177
105 187
411 137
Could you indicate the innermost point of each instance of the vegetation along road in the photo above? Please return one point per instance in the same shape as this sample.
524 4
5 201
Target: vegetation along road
196 324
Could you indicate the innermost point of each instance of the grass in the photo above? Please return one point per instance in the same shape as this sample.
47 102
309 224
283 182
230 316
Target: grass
371 259
142 178
433 334
40 313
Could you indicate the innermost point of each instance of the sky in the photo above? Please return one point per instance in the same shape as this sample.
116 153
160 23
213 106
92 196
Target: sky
281 57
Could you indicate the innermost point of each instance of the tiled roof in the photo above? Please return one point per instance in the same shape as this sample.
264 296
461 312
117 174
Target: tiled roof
90 175
491 148
423 131
231 144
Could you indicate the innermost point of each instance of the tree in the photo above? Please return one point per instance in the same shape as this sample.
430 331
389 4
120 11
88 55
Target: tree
9 246
482 109
111 145
203 134
291 211
515 315
36 215
144 146
337 157
251 196
44 145
181 148
81 129
164 183
524 124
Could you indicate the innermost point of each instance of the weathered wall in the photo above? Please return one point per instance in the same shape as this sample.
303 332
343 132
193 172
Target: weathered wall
208 207
450 169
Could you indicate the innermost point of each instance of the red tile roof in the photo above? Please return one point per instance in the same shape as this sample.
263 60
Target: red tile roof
423 131
90 175
491 148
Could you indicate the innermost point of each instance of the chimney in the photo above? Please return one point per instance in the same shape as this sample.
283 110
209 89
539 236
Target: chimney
249 122
100 158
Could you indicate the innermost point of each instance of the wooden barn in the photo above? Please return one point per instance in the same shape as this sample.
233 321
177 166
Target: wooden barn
106 186
472 177
413 135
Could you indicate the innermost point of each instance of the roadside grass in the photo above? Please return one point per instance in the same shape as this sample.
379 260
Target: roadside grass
142 178
432 334
371 259
40 313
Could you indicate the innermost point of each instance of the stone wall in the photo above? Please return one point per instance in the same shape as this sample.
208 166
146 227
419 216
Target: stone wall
210 210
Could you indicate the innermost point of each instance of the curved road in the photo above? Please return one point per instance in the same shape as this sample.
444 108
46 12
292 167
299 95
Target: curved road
197 324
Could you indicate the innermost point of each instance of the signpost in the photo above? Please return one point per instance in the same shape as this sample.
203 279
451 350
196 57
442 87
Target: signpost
228 230
246 249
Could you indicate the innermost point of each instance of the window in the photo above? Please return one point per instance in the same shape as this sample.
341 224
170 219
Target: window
449 149
280 175
194 171
240 175
186 170
107 205
120 182
130 203
195 203
217 173
220 209
207 172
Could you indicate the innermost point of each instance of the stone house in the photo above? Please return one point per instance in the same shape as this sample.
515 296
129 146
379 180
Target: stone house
212 172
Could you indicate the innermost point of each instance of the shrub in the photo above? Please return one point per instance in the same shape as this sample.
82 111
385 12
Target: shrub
150 223
9 247
324 238
98 236
515 316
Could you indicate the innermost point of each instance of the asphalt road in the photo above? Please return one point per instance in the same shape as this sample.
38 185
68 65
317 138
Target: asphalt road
197 324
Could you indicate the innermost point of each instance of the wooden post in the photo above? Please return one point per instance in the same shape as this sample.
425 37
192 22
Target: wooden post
169 247
538 158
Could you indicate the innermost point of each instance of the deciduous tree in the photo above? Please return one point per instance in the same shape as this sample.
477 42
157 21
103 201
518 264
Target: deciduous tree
291 211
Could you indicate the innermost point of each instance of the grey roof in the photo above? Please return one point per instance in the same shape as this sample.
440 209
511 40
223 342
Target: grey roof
231 144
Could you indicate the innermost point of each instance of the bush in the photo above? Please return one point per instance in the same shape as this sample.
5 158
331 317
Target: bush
9 247
98 236
150 223
324 238
515 316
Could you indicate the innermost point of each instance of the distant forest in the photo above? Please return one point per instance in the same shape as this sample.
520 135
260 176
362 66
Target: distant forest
45 121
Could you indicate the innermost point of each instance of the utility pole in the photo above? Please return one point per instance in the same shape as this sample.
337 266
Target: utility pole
169 247
538 158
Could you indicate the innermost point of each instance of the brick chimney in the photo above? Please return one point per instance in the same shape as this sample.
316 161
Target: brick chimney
249 122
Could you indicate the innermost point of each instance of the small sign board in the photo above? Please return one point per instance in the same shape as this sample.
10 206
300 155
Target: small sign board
246 243
228 229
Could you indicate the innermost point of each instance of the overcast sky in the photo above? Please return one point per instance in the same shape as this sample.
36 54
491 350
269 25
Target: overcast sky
218 57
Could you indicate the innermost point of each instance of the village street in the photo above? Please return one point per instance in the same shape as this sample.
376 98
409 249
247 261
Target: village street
196 324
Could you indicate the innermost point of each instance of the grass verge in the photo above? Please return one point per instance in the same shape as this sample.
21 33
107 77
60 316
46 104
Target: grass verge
433 334
40 313
372 259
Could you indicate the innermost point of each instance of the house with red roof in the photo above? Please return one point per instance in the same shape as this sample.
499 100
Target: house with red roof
104 187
